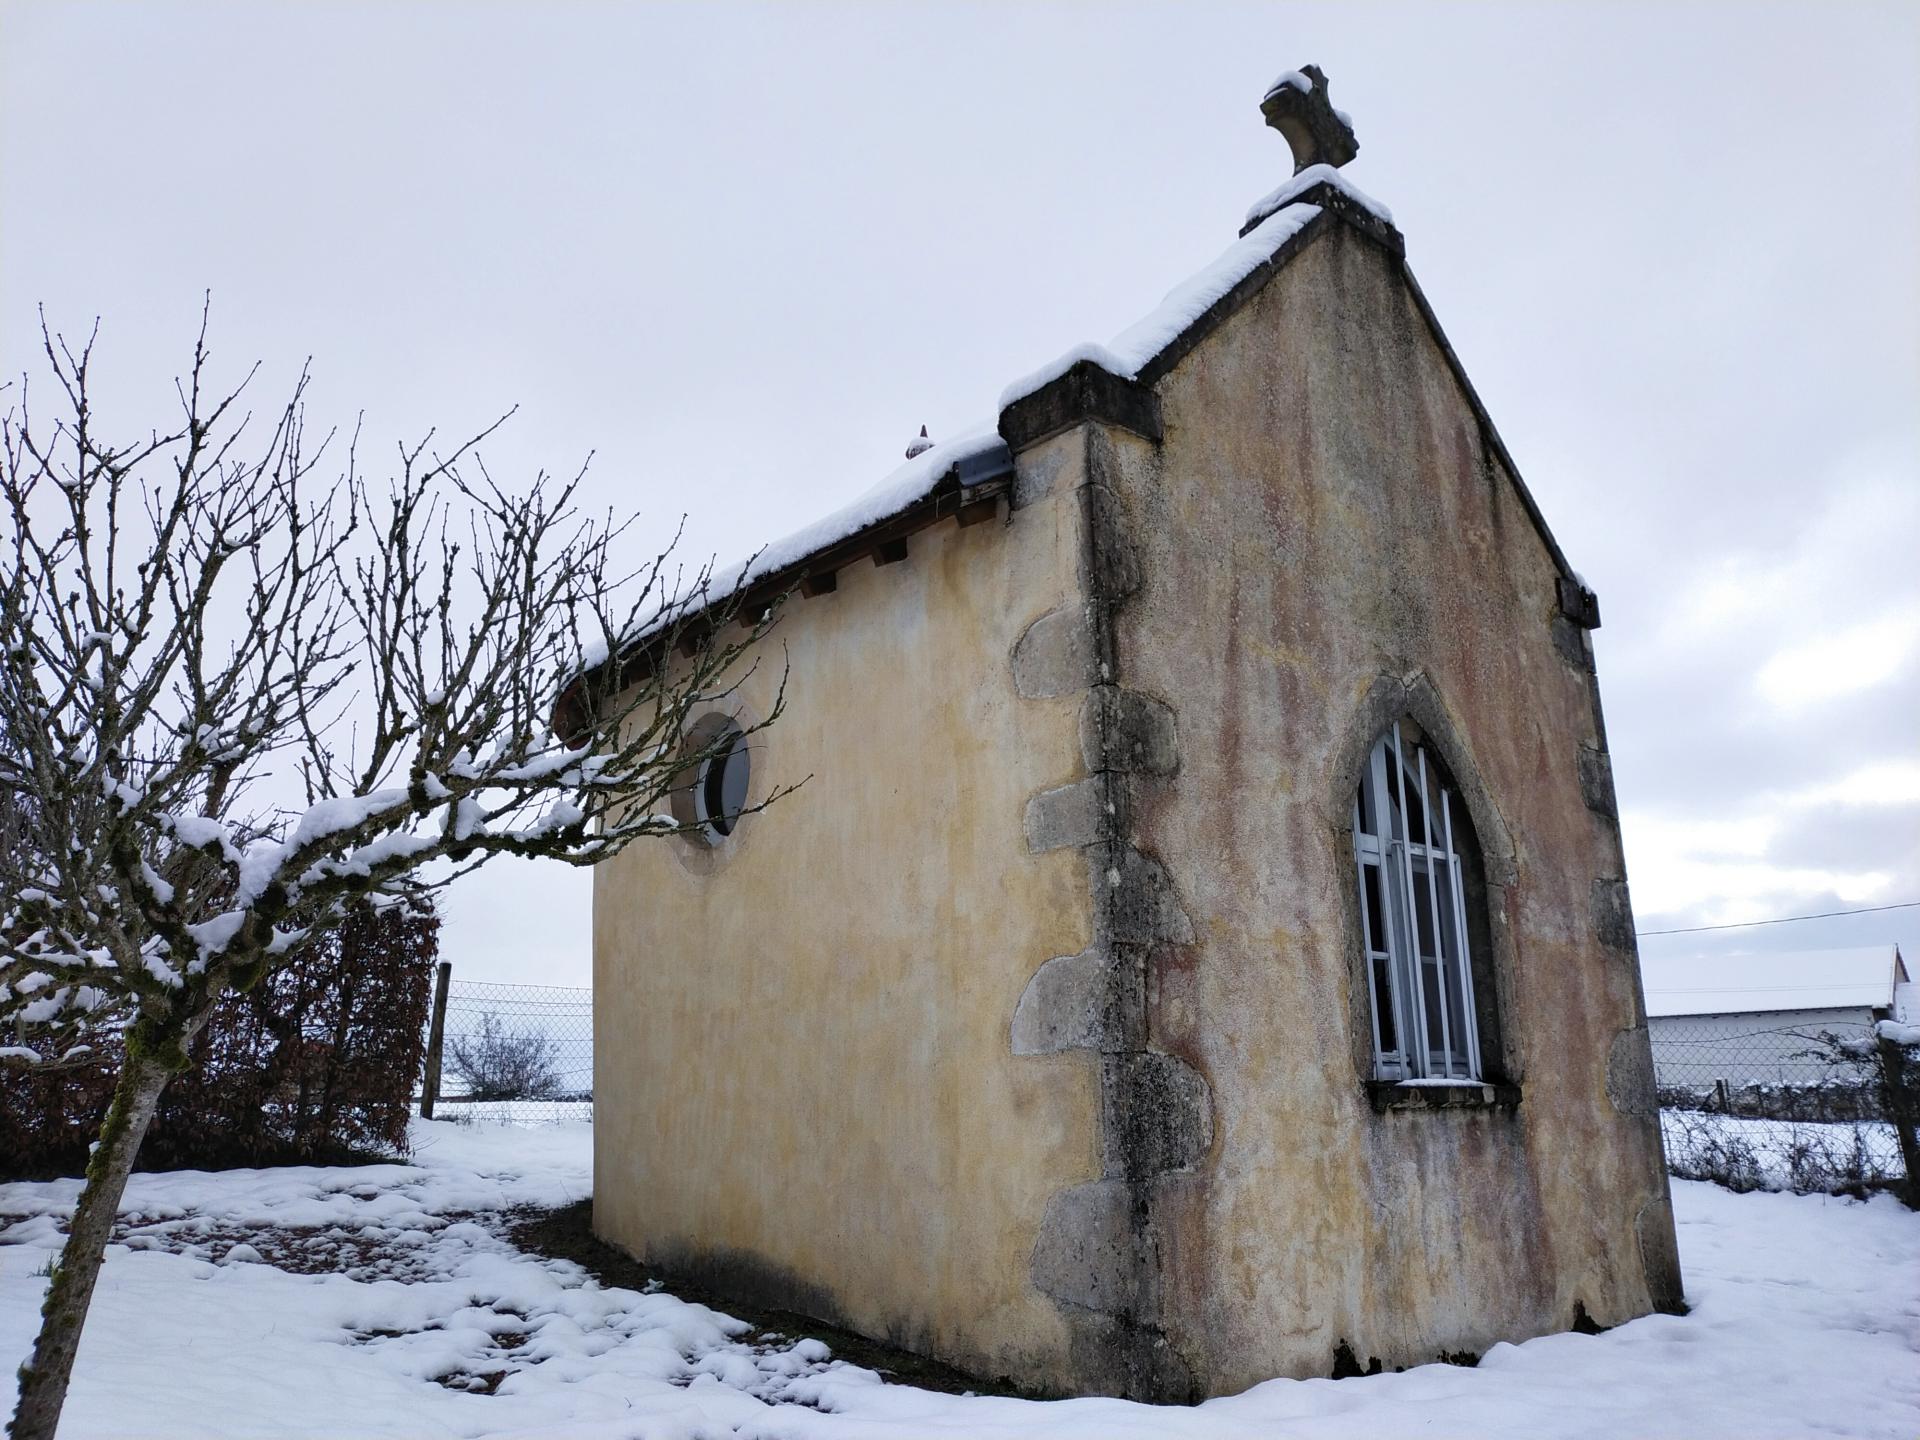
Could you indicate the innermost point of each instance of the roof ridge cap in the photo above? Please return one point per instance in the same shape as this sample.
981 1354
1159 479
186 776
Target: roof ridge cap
1301 187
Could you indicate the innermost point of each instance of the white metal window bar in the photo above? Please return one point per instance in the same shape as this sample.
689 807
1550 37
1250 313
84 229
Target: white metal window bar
1413 918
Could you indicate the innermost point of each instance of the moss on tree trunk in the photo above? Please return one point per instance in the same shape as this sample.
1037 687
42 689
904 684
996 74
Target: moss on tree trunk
156 1052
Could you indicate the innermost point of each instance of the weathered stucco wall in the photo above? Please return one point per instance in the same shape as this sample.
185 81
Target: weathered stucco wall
1323 540
804 1089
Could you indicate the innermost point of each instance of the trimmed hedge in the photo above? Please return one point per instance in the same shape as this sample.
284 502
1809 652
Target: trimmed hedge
315 1065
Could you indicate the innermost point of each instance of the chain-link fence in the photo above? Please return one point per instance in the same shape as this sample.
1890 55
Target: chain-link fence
1759 1106
1748 1104
513 1054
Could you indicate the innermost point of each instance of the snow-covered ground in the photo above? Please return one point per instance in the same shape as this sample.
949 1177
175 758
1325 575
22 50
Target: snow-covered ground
400 1306
512 1112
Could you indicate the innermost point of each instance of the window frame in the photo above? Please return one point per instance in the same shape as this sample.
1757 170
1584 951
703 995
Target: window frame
717 828
1408 871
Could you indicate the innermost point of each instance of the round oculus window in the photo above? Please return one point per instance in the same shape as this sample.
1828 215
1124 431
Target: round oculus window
720 793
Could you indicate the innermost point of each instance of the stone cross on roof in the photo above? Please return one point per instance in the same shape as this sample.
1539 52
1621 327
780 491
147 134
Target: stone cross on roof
1297 106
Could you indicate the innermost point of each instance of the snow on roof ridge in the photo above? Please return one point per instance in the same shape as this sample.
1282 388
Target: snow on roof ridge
1308 178
1125 355
1129 352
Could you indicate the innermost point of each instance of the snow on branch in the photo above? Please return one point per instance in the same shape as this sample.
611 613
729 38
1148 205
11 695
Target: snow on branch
238 692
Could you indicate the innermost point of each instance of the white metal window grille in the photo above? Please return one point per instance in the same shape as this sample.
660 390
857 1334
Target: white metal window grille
1413 915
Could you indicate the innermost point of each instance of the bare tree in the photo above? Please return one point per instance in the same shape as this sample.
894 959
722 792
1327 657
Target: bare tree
495 1063
235 696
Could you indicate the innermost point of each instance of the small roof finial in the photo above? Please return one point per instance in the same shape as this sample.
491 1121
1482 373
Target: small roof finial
921 444
1297 106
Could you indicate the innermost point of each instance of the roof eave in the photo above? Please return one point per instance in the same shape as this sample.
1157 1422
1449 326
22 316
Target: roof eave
1084 392
969 491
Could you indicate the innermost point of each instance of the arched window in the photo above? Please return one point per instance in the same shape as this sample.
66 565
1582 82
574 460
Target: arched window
1409 834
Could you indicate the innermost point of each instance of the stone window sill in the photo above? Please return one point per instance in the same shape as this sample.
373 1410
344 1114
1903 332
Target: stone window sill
1385 1095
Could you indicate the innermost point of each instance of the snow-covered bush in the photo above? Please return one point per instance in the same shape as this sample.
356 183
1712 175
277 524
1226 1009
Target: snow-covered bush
495 1063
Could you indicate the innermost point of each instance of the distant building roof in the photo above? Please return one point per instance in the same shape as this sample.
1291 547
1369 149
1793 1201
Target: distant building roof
1750 984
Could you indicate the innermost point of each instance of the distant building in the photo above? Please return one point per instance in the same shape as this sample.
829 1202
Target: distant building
1756 1019
1201 951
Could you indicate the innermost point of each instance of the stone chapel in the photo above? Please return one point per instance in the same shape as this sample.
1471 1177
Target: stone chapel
1201 949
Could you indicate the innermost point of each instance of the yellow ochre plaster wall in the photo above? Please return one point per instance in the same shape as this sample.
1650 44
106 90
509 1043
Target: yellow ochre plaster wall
804 1091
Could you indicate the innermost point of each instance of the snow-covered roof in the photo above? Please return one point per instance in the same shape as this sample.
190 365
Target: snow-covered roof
1129 352
977 464
1308 178
903 486
1760 983
1125 355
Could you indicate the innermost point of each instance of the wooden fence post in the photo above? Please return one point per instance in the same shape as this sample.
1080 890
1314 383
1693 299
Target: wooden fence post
1903 1102
436 1033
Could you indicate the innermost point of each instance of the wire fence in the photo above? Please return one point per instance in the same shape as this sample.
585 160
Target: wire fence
1750 1105
515 1054
1756 1106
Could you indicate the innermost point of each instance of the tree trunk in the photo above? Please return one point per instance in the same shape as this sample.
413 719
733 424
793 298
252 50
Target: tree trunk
338 1060
44 1378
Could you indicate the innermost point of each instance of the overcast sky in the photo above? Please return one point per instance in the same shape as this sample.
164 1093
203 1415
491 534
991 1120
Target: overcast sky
741 254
